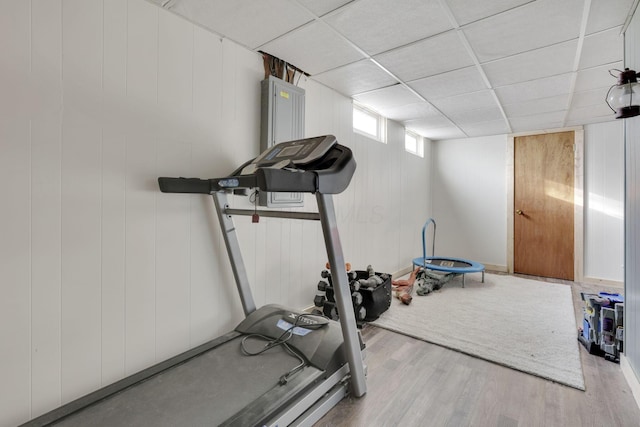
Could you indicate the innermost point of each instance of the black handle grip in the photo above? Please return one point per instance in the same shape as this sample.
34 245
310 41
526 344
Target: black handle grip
184 185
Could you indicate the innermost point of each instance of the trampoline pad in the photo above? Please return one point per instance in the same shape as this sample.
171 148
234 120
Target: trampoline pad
450 265
442 262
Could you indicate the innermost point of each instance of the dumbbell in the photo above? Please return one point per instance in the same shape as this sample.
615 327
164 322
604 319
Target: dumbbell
360 312
321 295
356 298
329 309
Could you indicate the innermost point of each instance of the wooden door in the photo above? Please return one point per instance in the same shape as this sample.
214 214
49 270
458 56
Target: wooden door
544 205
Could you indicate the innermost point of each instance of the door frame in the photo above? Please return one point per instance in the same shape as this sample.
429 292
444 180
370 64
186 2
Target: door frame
578 207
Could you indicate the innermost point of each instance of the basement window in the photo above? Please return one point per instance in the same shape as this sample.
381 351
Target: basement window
368 123
413 143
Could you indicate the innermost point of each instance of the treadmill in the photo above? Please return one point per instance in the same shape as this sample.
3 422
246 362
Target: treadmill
279 366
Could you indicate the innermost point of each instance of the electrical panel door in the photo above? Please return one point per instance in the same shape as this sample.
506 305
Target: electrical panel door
282 120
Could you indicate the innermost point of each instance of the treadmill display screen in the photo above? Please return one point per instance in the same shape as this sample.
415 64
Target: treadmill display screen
289 151
298 152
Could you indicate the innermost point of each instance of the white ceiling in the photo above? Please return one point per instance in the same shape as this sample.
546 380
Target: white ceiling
444 68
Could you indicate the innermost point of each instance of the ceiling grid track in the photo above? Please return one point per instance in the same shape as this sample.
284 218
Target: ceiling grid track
445 69
370 58
576 61
474 58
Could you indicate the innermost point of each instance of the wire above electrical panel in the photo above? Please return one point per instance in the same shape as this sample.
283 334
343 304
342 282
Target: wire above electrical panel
281 69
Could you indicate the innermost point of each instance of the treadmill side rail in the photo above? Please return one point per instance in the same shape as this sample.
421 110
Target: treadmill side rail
317 403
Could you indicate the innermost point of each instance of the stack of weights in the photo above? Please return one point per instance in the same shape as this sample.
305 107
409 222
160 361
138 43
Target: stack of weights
325 300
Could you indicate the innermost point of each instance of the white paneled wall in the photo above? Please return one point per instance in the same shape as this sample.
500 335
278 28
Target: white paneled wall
100 273
470 199
632 224
604 201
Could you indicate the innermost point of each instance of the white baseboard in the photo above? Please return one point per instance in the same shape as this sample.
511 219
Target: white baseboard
496 268
401 273
631 378
597 281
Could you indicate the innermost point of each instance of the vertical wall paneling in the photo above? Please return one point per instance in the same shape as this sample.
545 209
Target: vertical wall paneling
141 185
15 227
113 155
632 213
273 270
175 101
386 212
46 263
173 278
207 90
81 198
175 75
469 197
46 73
208 160
210 312
140 250
415 205
604 201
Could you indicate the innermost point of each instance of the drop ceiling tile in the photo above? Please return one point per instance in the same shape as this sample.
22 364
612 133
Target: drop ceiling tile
589 97
602 48
435 133
597 77
323 7
532 26
432 121
466 11
388 97
537 106
243 21
581 122
534 89
313 48
354 78
413 111
535 64
590 112
495 127
466 102
379 25
435 55
468 117
607 14
450 83
538 121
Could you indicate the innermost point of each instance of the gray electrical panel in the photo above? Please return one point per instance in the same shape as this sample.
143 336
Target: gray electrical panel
282 120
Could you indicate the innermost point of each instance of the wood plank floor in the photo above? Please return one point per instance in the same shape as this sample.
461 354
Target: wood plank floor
414 383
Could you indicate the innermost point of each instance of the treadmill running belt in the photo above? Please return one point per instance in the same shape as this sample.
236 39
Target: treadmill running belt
185 394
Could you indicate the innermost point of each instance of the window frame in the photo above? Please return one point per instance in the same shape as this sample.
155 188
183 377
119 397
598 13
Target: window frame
381 123
419 143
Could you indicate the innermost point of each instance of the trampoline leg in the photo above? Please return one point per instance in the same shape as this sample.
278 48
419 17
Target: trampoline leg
483 276
463 280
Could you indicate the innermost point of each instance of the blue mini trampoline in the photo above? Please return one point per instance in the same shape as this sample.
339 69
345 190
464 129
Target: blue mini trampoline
444 264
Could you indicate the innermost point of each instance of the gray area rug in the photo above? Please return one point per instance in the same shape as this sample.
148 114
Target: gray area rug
523 324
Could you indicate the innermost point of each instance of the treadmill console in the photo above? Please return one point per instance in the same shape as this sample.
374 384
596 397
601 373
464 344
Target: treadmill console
292 153
307 165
